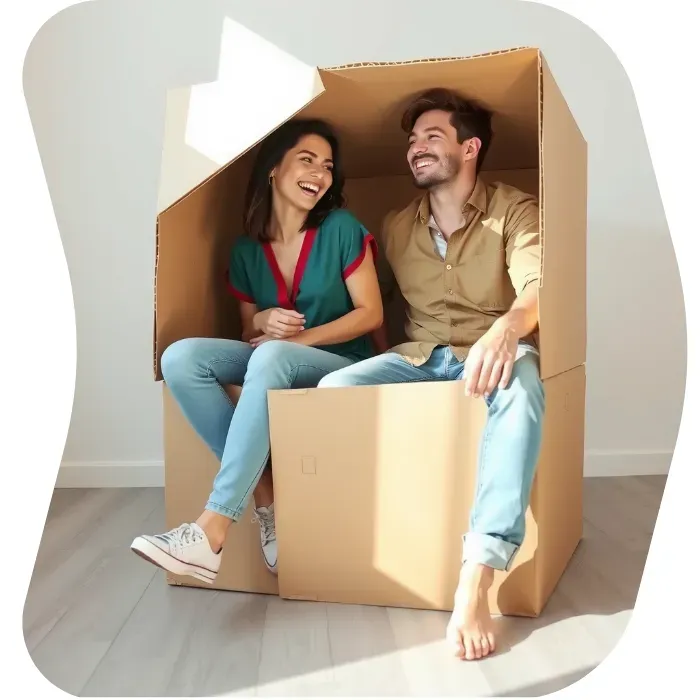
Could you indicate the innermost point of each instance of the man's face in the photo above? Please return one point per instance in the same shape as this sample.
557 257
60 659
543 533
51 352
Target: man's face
434 154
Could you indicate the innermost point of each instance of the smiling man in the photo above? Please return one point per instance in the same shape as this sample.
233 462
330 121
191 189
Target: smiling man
466 257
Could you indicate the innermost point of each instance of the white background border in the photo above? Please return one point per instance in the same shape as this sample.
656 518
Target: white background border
656 44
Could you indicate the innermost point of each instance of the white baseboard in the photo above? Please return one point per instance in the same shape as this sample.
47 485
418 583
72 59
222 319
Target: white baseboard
626 462
88 475
143 474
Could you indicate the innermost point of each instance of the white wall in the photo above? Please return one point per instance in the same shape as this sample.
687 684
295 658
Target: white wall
95 80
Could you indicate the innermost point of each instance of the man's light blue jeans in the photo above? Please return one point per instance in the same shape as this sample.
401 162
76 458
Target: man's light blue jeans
509 449
195 370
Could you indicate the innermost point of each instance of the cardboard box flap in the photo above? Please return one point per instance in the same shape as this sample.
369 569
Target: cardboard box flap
365 103
563 202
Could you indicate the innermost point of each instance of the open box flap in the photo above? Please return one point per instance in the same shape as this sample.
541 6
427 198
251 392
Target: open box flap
563 202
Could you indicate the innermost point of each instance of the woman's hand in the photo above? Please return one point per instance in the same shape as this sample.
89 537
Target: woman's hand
257 342
278 323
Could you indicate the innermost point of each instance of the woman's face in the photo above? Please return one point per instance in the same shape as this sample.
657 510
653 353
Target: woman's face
305 173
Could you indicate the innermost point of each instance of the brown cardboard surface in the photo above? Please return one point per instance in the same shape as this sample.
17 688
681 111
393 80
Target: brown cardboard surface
558 497
365 104
562 297
190 472
536 147
371 509
194 239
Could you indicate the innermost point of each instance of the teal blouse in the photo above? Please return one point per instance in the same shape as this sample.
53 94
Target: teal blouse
329 255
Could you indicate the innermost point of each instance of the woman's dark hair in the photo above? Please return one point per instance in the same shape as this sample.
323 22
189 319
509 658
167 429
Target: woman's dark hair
258 198
466 116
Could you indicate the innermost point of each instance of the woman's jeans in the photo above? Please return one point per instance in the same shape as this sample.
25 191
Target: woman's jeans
195 370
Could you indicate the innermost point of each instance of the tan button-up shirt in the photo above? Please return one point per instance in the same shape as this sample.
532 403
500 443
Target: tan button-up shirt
487 264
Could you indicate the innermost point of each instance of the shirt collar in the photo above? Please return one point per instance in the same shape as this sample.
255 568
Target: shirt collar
477 200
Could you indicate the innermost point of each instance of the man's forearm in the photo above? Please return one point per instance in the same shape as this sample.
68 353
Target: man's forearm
523 316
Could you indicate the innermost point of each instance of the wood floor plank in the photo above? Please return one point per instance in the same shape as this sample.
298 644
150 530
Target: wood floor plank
99 608
428 667
364 651
628 521
65 569
182 641
295 657
74 518
221 654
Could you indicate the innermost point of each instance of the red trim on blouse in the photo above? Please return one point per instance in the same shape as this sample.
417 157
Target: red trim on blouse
235 292
283 299
368 240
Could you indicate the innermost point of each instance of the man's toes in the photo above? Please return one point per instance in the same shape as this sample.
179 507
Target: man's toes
491 641
485 647
454 639
470 651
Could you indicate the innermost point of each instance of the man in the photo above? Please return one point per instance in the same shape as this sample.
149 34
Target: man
466 257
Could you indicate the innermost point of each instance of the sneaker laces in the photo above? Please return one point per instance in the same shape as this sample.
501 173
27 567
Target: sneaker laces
184 535
266 520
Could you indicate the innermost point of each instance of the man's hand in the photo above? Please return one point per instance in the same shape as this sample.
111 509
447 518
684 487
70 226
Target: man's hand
278 323
490 361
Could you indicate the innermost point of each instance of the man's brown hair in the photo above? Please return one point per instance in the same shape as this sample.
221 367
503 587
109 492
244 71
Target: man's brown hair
469 119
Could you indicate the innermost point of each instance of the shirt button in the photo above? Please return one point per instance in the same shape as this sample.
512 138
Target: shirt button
449 291
449 267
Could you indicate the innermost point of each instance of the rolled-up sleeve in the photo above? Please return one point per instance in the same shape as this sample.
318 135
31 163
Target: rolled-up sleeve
523 242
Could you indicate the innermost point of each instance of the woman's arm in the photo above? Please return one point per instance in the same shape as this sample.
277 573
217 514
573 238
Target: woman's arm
248 312
367 316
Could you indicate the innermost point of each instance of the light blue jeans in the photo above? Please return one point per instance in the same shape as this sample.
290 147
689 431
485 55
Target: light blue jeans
509 450
194 369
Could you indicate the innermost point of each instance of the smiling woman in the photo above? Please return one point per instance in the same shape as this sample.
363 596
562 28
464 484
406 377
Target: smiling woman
301 152
309 302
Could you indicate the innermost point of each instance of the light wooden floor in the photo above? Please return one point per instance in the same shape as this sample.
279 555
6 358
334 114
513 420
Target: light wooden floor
100 622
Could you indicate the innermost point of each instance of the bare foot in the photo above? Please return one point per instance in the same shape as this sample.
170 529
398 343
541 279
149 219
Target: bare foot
470 629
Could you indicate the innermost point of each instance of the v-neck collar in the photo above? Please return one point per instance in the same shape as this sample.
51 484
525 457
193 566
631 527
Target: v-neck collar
283 299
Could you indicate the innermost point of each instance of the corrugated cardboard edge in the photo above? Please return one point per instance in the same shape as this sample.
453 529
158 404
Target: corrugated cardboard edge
444 59
540 136
155 303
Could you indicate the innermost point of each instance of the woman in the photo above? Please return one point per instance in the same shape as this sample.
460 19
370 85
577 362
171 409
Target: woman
309 301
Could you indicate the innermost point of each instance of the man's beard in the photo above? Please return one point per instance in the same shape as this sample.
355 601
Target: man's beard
446 171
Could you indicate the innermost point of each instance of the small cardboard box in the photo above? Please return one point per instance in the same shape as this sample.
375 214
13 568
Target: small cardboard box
373 485
370 510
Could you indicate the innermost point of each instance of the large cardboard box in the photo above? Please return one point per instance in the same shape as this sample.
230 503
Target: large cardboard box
373 485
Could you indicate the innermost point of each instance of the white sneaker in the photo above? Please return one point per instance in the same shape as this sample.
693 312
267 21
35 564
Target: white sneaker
268 538
184 551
